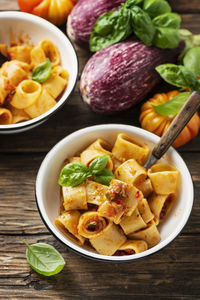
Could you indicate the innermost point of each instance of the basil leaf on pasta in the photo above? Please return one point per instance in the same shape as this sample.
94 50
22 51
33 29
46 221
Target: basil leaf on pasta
73 174
104 177
42 72
44 259
98 164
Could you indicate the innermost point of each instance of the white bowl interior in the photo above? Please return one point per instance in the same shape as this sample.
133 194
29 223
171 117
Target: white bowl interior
48 190
34 29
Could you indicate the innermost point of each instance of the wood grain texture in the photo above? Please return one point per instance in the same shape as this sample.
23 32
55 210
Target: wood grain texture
83 279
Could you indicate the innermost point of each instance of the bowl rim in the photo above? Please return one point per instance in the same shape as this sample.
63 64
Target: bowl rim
44 23
93 255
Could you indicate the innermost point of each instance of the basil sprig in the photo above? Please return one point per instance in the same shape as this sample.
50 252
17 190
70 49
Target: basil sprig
150 20
74 174
173 106
112 27
42 72
181 77
44 259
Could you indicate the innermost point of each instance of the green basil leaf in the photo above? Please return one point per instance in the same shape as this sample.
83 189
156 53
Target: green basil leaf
104 177
142 25
173 106
131 3
177 75
73 174
110 28
168 20
42 72
191 40
44 259
166 38
156 7
191 60
98 164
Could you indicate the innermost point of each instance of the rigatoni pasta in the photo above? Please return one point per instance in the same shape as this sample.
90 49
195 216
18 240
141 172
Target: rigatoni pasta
117 215
23 93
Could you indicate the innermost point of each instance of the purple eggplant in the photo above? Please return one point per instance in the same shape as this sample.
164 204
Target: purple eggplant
84 15
121 75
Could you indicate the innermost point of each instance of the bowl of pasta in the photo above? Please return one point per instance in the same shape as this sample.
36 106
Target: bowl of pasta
95 196
38 70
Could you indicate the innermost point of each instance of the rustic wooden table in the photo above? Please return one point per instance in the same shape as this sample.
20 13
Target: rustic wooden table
171 273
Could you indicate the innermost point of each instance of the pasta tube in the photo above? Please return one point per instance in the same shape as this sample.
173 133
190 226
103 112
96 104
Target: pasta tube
126 148
163 178
15 71
88 155
74 197
18 115
149 235
161 205
69 220
37 56
145 187
145 210
132 247
124 195
4 88
132 223
21 53
58 70
51 51
91 225
110 240
55 85
131 172
27 92
96 192
5 116
41 105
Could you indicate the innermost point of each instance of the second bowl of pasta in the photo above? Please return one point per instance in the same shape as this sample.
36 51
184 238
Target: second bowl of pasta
95 196
39 72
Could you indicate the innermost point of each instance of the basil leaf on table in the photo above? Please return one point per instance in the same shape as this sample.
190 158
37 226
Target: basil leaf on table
191 60
142 25
104 177
166 38
131 3
98 164
42 72
168 20
177 75
173 106
44 259
156 7
110 28
73 174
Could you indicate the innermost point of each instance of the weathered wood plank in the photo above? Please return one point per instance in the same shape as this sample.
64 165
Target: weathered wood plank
17 200
83 279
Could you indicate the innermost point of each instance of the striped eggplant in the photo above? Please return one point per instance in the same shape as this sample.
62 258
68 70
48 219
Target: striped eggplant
84 15
121 75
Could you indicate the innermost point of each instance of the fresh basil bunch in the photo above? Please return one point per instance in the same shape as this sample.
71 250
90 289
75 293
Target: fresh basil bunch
150 20
181 77
73 174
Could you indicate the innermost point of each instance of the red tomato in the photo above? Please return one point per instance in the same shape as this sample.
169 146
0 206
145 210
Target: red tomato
28 5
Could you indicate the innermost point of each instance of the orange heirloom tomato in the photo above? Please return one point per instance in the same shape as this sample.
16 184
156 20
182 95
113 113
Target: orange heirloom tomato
55 11
158 124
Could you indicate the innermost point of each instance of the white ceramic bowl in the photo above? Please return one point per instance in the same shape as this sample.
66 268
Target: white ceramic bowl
48 190
37 29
